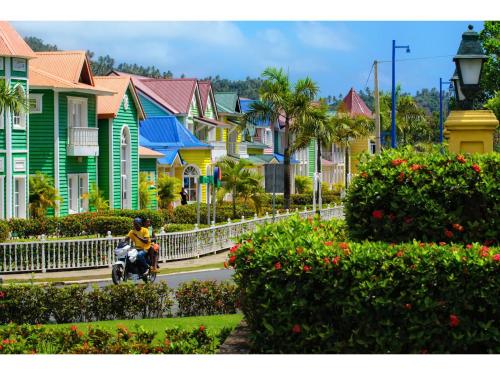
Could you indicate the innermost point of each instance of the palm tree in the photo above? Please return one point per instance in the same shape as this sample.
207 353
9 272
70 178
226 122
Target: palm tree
96 198
168 188
12 98
347 128
42 195
239 180
278 99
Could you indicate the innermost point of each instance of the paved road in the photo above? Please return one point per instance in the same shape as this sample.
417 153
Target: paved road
173 281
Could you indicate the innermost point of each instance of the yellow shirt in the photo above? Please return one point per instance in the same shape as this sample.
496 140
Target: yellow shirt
143 233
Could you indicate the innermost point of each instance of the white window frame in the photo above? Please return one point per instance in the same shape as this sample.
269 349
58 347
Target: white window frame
2 164
21 125
2 118
82 187
126 103
84 120
19 65
126 163
19 208
2 197
19 165
196 181
38 103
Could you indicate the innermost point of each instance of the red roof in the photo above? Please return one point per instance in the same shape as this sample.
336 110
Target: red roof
204 87
11 43
355 105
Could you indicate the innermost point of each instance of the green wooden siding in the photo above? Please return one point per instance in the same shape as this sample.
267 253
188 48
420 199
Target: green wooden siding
41 135
71 164
312 157
209 112
151 108
124 118
149 165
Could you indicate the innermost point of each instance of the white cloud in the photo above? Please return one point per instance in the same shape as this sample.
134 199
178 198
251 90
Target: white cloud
319 35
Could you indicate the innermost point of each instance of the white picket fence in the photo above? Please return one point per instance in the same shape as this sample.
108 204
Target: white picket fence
43 255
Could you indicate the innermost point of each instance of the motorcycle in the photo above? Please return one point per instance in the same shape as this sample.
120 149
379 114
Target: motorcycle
125 268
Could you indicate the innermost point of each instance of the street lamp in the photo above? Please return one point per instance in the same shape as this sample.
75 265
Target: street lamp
459 95
441 83
393 112
469 64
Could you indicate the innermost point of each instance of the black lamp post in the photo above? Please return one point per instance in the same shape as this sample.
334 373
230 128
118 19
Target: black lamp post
469 64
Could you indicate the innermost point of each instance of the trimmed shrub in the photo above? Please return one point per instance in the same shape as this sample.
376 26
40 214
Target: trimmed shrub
28 228
187 214
206 298
178 227
303 291
115 224
4 231
402 195
156 217
77 224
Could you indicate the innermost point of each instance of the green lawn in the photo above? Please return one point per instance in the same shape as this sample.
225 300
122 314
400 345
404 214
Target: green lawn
212 323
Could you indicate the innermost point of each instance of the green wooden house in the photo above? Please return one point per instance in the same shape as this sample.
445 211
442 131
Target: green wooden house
63 136
15 57
118 163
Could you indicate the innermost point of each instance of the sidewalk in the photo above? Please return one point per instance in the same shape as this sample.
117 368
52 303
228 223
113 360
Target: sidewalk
105 273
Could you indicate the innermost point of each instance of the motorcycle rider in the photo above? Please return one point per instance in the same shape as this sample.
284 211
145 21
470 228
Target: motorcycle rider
153 250
142 242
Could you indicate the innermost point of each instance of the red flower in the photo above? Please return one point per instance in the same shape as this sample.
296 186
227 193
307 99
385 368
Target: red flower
235 248
442 243
74 328
336 260
416 167
364 175
448 233
421 244
378 214
326 261
277 266
202 328
6 342
344 245
458 227
468 246
454 321
232 259
397 162
296 328
496 257
328 243
401 177
2 294
476 167
408 306
461 159
485 248
408 219
306 268
399 254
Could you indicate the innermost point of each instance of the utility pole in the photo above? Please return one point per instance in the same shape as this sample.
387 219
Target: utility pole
378 144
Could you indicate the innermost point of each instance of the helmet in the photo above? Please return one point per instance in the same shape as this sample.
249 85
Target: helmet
138 220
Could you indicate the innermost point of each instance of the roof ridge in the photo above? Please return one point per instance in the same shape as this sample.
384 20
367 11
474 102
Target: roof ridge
61 52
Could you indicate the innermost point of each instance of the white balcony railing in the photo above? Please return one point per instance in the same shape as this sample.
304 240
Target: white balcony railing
219 149
83 142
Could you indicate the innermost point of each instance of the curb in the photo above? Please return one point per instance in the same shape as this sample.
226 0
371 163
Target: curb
72 282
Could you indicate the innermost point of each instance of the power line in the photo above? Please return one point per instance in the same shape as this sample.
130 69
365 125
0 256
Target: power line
369 74
418 58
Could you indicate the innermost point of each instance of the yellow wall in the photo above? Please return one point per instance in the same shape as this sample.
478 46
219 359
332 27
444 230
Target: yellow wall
358 146
201 159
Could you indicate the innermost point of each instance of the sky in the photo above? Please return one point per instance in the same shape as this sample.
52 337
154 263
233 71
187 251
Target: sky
337 55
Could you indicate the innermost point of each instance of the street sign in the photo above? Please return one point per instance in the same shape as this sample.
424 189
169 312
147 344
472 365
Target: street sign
274 178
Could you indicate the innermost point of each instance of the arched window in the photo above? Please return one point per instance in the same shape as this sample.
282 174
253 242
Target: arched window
190 179
19 117
125 172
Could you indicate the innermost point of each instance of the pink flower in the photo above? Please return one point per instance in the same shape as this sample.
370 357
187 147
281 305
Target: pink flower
496 257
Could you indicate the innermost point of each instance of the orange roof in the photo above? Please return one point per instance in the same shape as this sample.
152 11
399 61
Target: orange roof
148 153
40 78
11 43
72 66
108 106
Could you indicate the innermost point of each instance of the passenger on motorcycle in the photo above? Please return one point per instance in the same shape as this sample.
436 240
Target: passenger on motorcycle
142 242
154 249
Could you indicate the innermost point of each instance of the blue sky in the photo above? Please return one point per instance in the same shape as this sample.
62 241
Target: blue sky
337 55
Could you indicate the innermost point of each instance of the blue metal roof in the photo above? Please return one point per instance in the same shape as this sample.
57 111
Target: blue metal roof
170 155
245 107
167 131
281 159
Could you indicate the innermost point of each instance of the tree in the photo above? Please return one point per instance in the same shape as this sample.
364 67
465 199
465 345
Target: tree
37 44
144 185
102 66
278 99
303 184
12 98
168 188
42 195
490 79
96 198
241 182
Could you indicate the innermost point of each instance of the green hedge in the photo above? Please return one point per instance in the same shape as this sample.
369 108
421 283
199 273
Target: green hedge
33 339
302 199
4 231
303 291
402 195
187 214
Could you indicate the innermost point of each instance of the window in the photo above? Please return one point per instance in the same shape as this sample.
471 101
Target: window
78 186
35 101
19 118
190 179
20 197
1 118
1 63
19 165
125 102
2 165
77 112
19 65
125 168
372 147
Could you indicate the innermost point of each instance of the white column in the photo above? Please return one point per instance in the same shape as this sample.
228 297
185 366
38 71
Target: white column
8 147
56 149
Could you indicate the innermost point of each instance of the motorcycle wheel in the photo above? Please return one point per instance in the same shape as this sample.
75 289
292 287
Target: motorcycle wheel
149 278
117 274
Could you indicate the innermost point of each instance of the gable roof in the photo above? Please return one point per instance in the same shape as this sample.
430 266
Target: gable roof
227 102
145 152
72 66
355 105
205 88
108 107
167 131
12 44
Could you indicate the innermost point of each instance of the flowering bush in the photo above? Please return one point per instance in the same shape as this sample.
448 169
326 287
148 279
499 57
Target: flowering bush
32 339
206 298
305 290
402 195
